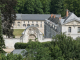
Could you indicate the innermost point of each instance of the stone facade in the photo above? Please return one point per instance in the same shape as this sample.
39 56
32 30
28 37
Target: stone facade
24 20
70 25
22 24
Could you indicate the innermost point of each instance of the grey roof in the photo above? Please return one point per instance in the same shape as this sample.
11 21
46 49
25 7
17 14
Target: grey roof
71 17
55 20
18 51
34 16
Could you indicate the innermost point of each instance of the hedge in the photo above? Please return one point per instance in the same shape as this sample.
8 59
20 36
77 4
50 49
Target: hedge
31 45
20 45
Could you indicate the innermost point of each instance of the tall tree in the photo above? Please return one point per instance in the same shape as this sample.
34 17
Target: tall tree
2 45
9 16
46 6
33 7
73 5
20 6
57 7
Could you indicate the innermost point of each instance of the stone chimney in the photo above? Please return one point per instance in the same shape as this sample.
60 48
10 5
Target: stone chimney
60 18
54 16
51 15
67 13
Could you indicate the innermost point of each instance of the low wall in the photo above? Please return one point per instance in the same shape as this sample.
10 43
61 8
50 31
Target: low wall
9 42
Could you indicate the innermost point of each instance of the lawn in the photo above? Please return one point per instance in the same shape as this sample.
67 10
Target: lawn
18 32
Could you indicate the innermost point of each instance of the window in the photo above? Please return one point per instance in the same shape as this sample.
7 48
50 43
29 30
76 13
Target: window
37 25
69 29
40 25
18 24
28 24
32 24
78 29
24 25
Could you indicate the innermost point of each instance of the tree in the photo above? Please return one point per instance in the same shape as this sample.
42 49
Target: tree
46 6
9 16
20 6
2 45
33 7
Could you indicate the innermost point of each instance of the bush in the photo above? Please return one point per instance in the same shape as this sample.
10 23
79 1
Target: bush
20 45
11 57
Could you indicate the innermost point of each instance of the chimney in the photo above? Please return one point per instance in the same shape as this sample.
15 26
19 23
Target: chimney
67 13
51 15
54 16
60 18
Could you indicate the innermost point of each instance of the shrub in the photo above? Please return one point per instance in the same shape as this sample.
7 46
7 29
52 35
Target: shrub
20 45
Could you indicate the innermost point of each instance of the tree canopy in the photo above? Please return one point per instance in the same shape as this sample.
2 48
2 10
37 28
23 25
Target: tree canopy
9 16
48 6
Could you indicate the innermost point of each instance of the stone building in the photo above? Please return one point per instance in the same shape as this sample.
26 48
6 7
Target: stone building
69 24
25 20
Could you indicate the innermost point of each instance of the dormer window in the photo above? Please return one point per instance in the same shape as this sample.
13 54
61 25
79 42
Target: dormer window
18 22
69 29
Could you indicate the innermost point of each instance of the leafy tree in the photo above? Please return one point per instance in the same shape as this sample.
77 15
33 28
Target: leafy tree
46 6
2 45
20 6
33 7
9 16
12 57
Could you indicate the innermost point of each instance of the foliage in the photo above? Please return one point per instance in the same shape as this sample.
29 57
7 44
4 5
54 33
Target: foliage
2 45
47 6
61 48
11 57
9 16
20 45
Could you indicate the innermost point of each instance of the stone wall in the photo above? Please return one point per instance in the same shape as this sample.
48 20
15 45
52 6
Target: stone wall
10 42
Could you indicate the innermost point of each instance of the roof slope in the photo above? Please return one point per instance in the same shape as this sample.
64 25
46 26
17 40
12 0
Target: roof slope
34 16
55 20
72 17
18 51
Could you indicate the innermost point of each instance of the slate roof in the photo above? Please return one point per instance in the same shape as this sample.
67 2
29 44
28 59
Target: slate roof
71 17
55 20
34 16
19 51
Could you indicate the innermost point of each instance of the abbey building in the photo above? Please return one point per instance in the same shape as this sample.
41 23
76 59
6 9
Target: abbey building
24 20
70 25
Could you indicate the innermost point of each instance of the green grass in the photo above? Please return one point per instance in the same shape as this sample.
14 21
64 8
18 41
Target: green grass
18 32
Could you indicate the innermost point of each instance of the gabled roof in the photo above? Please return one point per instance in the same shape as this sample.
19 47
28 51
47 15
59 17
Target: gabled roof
72 17
34 16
